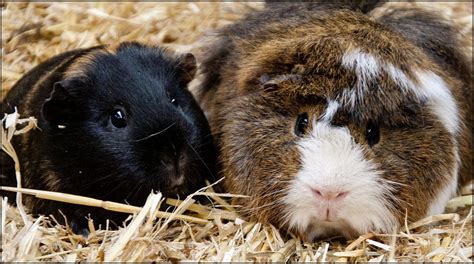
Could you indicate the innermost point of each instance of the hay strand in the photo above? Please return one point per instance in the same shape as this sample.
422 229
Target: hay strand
9 129
86 201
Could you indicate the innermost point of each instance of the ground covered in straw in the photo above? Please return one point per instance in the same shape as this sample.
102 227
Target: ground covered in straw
33 32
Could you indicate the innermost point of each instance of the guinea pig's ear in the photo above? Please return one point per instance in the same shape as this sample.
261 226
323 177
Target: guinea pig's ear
187 63
58 108
279 82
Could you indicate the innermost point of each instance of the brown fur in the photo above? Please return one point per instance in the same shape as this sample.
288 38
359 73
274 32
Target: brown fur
262 72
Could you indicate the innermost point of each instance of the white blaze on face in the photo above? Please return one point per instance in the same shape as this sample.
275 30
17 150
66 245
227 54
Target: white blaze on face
332 160
428 87
331 110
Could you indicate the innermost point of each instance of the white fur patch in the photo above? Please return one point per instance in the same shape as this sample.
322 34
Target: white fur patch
331 159
365 65
427 86
441 100
331 110
348 97
448 191
401 79
433 89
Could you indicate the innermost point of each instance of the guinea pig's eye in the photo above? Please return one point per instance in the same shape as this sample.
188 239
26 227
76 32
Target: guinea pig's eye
118 118
301 124
174 102
372 133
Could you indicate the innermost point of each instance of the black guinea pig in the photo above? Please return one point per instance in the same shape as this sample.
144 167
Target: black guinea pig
114 123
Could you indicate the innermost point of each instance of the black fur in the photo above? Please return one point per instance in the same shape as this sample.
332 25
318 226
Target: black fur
90 156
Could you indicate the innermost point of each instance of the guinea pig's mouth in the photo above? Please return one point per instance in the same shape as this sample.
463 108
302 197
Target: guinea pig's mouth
330 221
320 229
177 181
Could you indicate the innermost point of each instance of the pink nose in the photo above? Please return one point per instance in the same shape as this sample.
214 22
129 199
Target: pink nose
329 195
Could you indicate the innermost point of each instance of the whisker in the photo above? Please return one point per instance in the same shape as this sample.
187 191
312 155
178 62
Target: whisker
132 193
200 158
398 183
114 189
154 134
273 193
272 203
99 179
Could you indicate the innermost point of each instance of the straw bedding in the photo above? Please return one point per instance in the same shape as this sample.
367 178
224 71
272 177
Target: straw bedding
33 32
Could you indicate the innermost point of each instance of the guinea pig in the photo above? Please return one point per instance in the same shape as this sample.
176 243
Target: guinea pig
114 123
337 122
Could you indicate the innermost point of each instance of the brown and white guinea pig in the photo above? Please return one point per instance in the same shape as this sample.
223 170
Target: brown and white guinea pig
338 123
114 123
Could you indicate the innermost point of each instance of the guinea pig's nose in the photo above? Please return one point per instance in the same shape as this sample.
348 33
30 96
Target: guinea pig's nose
167 162
182 160
177 179
328 194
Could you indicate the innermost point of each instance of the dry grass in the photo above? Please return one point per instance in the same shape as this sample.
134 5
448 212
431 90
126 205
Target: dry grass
33 32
